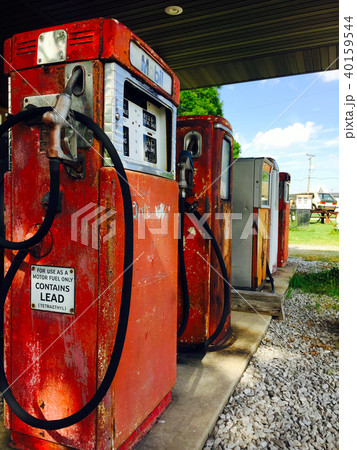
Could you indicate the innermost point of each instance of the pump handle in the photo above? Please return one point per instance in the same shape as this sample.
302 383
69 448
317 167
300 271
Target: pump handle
57 119
186 167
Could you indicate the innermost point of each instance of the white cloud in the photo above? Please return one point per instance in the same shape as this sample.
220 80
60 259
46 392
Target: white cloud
331 142
330 75
270 81
282 138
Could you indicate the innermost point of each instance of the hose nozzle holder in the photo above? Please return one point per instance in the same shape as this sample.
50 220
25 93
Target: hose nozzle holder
59 118
185 165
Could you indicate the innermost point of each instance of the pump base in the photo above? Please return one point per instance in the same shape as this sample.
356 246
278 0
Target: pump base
245 288
282 264
225 341
24 442
184 347
148 423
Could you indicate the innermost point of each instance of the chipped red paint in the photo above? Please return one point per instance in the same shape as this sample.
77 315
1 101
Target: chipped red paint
60 381
105 39
147 371
205 283
148 423
66 371
284 213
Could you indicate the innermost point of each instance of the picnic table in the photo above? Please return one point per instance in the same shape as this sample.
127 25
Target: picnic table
325 215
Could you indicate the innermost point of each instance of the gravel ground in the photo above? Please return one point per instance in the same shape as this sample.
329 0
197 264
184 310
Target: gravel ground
288 396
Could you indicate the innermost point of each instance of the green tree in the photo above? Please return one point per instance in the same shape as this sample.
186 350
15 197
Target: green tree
205 101
236 149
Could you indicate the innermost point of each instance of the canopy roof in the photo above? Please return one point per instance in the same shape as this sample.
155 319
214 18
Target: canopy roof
211 42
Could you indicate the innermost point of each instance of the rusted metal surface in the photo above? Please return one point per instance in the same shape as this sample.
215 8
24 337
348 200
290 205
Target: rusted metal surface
8 259
147 370
105 39
284 211
148 423
83 44
57 359
56 382
205 283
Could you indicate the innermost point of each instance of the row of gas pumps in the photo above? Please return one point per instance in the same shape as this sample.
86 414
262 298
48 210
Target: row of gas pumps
122 239
261 199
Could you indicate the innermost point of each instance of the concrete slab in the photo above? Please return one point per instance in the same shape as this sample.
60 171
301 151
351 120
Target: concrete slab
282 278
204 385
264 302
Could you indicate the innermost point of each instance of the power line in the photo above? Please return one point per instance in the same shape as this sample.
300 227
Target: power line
315 178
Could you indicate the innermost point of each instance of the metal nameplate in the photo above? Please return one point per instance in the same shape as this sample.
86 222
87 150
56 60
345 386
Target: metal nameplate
52 47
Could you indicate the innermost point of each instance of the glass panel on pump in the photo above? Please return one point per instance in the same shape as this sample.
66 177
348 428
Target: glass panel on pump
225 169
265 188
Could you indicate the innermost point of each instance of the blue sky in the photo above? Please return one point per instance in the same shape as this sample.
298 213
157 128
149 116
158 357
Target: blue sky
286 118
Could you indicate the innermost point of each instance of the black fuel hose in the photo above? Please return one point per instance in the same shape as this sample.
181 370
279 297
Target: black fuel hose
271 279
54 187
183 275
126 290
226 306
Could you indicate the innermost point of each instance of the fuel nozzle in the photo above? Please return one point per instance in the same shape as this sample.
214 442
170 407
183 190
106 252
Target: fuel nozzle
185 165
58 118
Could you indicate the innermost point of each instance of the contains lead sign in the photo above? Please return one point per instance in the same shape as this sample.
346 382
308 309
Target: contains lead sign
52 289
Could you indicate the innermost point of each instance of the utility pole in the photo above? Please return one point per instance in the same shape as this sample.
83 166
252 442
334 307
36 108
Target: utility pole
308 180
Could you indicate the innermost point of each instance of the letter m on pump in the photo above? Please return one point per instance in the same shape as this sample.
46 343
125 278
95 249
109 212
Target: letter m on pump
145 65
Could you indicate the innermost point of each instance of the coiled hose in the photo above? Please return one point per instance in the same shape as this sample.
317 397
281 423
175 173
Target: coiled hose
23 251
226 306
183 275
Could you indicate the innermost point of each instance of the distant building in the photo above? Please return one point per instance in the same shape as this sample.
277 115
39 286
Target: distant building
304 201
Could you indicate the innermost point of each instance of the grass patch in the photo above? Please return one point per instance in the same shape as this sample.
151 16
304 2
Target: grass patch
325 282
289 292
315 235
324 303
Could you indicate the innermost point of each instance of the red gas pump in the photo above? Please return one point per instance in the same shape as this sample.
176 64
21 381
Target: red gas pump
204 155
284 213
84 288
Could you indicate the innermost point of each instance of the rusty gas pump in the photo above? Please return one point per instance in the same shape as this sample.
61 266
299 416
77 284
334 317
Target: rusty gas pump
84 280
204 156
250 242
284 214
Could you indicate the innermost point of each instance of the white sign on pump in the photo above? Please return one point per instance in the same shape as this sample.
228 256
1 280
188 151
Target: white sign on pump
145 63
52 289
